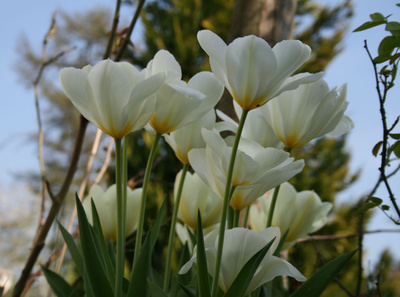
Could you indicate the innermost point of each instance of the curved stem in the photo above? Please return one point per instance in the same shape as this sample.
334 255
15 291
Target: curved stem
121 213
171 239
246 217
139 233
226 204
272 207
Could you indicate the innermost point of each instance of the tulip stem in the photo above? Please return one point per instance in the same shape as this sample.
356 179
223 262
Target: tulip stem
246 217
236 216
121 213
226 204
274 199
146 179
171 239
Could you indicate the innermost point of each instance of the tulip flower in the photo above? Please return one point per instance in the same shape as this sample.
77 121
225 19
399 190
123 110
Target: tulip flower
179 103
196 195
251 70
301 213
106 205
308 112
189 137
257 169
240 245
114 96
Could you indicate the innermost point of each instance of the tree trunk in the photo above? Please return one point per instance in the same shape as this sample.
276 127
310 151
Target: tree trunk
272 20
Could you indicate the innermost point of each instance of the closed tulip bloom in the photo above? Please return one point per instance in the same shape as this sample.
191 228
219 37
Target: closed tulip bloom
308 112
256 170
301 213
114 96
179 103
196 195
106 205
251 70
240 245
189 136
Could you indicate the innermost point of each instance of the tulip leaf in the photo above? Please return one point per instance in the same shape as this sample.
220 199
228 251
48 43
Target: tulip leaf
154 290
94 263
157 225
137 282
73 249
202 271
317 283
58 285
281 243
102 244
243 279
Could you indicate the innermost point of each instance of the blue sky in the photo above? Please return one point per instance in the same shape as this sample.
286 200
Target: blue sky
352 66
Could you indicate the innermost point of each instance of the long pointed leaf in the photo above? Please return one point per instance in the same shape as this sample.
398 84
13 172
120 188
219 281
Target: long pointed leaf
243 279
202 271
93 261
155 290
73 249
58 285
317 283
102 245
157 225
139 275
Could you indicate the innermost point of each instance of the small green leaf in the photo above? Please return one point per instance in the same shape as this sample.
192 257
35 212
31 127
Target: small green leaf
394 58
317 283
202 271
368 25
58 285
388 44
396 148
376 148
382 58
393 27
376 200
395 136
385 207
377 17
363 208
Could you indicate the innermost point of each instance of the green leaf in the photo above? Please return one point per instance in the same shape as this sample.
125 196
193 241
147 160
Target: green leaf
382 58
377 17
363 208
376 148
368 25
202 271
243 279
140 273
395 136
396 148
157 225
73 249
281 243
317 283
109 268
385 207
377 201
93 261
58 285
155 290
388 44
393 27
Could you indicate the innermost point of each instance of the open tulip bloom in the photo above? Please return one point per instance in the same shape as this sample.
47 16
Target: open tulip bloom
240 245
257 169
251 70
301 213
308 112
112 95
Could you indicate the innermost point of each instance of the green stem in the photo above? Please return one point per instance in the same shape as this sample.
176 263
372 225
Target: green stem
171 239
149 165
274 199
236 216
121 213
272 207
226 204
246 217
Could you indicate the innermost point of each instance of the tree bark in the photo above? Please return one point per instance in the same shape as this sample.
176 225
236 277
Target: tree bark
272 20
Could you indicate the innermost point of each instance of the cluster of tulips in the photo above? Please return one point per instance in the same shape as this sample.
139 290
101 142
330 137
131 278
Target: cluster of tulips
247 170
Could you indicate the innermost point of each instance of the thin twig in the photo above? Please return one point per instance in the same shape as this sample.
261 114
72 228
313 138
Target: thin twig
130 30
344 236
113 31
